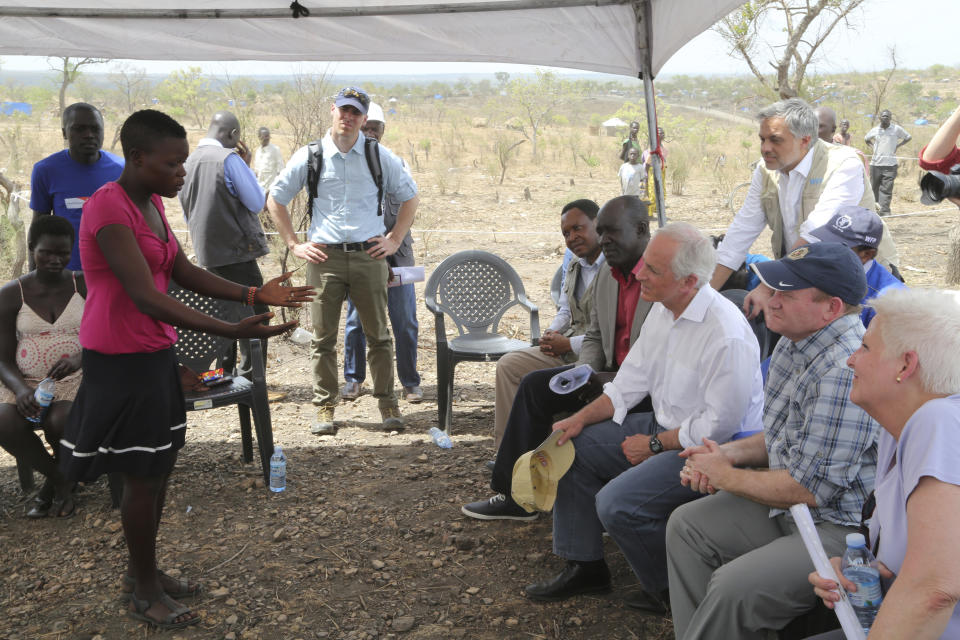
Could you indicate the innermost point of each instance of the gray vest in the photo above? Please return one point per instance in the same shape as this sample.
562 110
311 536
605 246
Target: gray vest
404 255
579 309
223 231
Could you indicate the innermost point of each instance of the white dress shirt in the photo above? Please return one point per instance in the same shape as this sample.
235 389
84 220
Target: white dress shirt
701 371
845 187
562 320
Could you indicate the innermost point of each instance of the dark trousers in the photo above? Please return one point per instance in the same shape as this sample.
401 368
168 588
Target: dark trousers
245 273
882 180
531 421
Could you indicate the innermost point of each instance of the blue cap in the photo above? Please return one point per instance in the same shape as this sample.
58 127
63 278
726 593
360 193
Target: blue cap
853 226
828 266
353 97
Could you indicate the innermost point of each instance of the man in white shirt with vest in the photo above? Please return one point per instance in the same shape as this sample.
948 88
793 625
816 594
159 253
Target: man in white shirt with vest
800 185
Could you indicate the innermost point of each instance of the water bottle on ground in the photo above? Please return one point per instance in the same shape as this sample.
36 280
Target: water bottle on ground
278 470
440 438
44 396
860 567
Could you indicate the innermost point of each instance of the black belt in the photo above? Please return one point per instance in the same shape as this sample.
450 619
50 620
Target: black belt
351 247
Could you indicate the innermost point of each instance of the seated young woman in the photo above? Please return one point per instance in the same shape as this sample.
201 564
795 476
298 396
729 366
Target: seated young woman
39 325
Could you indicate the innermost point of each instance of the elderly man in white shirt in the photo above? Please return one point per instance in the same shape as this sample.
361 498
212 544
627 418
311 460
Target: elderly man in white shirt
699 361
800 185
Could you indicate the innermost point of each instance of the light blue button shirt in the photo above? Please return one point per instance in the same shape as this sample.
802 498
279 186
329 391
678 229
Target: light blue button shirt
345 209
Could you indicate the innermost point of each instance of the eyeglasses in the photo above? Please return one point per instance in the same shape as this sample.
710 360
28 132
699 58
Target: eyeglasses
358 94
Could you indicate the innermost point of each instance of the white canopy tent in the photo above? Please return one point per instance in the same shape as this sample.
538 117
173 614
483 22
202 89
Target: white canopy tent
632 38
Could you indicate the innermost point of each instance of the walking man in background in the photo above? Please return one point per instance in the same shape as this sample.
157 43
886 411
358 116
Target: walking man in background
885 140
221 201
401 302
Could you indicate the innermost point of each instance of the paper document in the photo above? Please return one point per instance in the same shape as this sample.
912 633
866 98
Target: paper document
406 275
811 540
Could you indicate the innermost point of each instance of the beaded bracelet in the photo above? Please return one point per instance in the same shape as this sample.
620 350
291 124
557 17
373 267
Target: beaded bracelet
251 293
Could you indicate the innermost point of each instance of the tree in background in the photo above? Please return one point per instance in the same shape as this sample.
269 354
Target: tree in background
806 25
533 103
69 70
131 91
186 93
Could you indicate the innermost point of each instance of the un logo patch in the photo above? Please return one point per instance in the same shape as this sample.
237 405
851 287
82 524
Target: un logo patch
799 253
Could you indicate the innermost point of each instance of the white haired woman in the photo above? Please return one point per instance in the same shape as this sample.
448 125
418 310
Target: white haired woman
907 376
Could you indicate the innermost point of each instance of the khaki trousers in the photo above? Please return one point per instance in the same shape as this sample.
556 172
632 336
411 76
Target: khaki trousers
510 370
364 279
735 572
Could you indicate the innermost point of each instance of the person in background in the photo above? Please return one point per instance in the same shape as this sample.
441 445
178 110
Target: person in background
631 142
906 375
401 301
633 176
268 161
39 327
842 136
885 139
222 202
62 182
129 416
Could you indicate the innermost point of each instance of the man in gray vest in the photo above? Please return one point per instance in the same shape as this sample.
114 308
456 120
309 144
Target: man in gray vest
221 199
800 185
561 342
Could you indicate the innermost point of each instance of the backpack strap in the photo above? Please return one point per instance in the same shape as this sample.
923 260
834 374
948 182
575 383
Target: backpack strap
371 149
314 170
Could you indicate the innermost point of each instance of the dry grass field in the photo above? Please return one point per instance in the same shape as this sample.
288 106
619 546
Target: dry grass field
368 540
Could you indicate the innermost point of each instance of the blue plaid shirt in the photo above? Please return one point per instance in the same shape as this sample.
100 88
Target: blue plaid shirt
813 430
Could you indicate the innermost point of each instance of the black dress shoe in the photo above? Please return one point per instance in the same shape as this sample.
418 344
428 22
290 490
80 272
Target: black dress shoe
576 578
655 603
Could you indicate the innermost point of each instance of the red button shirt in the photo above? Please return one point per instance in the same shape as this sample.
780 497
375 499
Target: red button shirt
628 295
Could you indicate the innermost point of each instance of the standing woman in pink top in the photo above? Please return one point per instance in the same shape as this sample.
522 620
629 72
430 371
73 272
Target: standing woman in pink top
129 415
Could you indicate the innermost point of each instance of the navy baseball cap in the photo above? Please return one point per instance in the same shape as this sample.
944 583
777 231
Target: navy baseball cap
353 97
853 226
829 266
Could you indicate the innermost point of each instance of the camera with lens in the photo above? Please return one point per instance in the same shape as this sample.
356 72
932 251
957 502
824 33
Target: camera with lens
936 186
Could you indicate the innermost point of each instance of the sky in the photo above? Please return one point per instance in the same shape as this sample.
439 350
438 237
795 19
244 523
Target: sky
923 35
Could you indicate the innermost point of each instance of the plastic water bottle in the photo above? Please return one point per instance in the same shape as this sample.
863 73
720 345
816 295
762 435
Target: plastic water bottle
440 438
44 396
278 470
860 567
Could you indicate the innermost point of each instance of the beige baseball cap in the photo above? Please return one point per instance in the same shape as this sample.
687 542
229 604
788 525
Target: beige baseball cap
536 473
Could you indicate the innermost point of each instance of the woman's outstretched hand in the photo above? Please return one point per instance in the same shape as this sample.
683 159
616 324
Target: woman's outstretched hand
276 294
252 327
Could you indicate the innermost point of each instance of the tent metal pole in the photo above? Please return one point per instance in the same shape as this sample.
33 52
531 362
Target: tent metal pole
315 12
645 34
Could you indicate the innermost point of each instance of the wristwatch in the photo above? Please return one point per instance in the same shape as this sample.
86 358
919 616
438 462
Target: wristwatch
655 445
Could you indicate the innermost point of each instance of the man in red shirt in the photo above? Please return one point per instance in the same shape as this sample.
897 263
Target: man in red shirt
615 321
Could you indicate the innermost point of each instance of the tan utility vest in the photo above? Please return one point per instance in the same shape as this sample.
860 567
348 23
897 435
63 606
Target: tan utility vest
826 159
579 309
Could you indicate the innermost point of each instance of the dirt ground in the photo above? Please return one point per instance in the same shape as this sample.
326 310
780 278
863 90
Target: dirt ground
368 540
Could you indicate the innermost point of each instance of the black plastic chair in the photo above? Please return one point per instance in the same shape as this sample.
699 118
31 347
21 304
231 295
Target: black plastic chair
766 338
475 289
198 351
555 285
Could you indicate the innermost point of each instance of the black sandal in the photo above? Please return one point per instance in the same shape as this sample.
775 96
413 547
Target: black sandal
140 607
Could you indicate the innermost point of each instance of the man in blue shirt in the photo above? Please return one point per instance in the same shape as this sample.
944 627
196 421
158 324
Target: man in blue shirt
221 201
345 249
861 230
62 182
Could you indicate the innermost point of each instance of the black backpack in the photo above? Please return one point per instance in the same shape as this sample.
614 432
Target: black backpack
371 150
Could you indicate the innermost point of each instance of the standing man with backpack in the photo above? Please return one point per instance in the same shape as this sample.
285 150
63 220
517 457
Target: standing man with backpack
401 303
346 246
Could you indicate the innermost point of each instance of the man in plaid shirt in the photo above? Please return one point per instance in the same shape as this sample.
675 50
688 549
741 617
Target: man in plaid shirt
737 566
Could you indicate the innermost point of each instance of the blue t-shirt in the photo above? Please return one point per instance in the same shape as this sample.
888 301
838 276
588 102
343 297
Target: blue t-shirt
879 280
753 281
61 184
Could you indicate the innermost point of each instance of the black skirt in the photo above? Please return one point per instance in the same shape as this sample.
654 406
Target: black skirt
129 416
